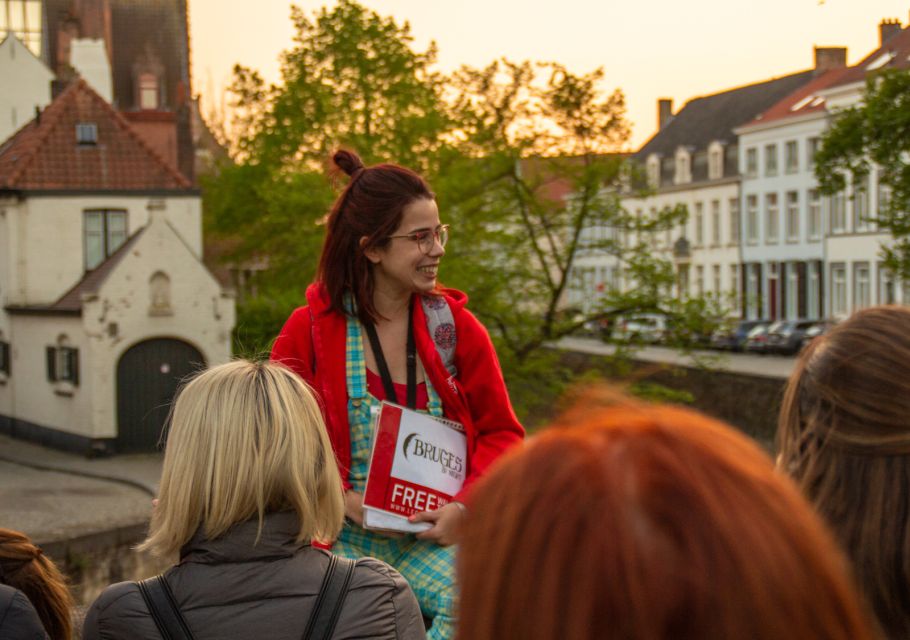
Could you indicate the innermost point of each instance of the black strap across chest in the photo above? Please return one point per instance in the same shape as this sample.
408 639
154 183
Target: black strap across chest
383 367
171 625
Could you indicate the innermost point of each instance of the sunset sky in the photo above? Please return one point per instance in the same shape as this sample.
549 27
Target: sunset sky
678 49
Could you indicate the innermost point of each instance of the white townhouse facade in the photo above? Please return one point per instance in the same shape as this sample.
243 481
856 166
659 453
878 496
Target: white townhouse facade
806 255
693 161
105 304
853 241
783 239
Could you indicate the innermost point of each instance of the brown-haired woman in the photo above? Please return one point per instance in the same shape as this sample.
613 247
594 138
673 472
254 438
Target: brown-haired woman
844 436
648 523
24 566
377 277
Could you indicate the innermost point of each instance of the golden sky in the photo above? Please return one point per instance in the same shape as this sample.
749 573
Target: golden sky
678 49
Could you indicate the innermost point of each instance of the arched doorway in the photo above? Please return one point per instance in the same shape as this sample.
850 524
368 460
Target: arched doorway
148 375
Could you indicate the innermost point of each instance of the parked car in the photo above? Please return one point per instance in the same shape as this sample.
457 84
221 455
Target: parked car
757 338
733 337
644 327
818 328
786 337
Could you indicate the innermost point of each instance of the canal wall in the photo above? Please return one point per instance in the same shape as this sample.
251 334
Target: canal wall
746 401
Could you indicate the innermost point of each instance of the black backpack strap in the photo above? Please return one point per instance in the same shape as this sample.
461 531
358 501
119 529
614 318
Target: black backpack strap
330 600
163 607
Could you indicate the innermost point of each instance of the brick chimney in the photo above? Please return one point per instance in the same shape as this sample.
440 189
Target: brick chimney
664 112
887 29
827 58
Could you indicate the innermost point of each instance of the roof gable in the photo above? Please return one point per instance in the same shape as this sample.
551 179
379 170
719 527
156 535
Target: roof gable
803 101
893 54
13 50
703 120
44 154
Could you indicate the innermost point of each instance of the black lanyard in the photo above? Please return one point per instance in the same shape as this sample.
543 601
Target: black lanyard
390 394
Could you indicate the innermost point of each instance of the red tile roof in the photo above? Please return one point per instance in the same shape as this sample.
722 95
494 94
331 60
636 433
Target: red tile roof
802 101
44 154
897 50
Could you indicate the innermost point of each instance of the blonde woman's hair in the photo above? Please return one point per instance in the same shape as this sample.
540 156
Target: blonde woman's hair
245 438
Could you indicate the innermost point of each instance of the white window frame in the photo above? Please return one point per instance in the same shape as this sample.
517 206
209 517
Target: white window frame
791 156
837 213
838 289
792 291
861 210
813 144
113 232
792 216
814 219
772 218
813 281
683 173
887 285
751 162
735 223
715 223
771 160
862 285
752 232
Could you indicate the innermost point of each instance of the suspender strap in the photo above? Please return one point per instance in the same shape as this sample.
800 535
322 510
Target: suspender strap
161 604
331 599
383 367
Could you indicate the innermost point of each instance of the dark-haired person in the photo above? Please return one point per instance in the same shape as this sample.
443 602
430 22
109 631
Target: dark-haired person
844 436
637 522
29 573
378 274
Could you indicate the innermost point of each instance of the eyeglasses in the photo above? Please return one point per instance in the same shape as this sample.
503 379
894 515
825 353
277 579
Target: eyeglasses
427 238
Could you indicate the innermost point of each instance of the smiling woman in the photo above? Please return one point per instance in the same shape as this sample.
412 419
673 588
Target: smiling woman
378 275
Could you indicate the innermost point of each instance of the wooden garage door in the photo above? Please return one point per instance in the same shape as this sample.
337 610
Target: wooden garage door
148 375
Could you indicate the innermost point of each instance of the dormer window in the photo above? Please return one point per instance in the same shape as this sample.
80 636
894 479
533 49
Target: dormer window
653 170
148 91
715 161
87 134
683 167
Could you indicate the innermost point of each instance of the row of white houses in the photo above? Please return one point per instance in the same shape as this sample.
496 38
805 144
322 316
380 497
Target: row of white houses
759 235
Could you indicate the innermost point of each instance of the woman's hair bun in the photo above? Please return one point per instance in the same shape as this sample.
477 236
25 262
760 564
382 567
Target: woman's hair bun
347 161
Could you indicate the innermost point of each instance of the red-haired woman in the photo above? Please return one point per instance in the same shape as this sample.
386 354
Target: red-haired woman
25 568
648 523
377 278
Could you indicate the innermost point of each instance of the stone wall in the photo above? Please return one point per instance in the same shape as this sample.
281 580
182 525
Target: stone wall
94 561
748 402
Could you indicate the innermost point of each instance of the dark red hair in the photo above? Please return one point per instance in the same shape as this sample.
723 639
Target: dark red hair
370 206
648 523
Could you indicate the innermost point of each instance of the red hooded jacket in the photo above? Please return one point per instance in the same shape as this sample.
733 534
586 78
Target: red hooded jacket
312 343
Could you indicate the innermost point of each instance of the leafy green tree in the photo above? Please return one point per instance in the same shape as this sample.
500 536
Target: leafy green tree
875 133
524 159
351 79
538 169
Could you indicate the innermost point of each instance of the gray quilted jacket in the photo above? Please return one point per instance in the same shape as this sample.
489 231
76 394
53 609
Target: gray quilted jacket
18 619
229 588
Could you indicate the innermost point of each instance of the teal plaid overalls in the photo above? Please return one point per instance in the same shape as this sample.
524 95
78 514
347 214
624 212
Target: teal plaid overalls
427 567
